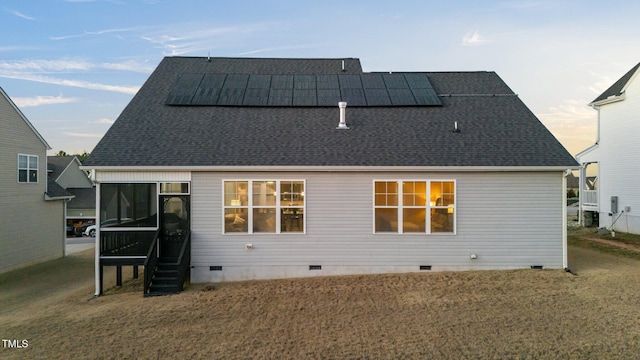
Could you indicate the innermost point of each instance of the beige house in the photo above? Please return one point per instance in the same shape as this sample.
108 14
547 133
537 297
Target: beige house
32 211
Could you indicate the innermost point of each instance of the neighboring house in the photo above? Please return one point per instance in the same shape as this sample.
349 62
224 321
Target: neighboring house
257 172
573 184
609 187
31 205
65 170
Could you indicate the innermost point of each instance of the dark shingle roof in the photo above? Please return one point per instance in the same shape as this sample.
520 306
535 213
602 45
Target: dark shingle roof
616 88
55 191
497 129
85 198
57 164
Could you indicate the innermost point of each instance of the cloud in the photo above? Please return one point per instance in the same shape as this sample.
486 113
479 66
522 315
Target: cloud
104 121
42 100
20 15
73 83
473 39
94 33
42 70
81 135
293 47
572 122
71 65
175 42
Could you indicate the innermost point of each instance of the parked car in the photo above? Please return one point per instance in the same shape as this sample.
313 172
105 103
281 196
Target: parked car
90 231
81 229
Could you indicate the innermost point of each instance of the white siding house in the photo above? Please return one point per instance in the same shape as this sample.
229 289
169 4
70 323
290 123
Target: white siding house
31 207
616 157
240 169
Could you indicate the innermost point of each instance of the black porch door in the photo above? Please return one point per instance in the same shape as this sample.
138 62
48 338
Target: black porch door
175 225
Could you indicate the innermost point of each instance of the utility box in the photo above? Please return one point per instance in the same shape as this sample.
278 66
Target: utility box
614 204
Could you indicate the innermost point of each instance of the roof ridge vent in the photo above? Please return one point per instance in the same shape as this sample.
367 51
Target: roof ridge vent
343 109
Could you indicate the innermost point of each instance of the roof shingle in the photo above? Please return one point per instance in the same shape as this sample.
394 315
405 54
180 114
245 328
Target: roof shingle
497 129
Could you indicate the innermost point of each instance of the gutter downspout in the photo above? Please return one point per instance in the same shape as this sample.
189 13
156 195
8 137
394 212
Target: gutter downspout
565 262
98 270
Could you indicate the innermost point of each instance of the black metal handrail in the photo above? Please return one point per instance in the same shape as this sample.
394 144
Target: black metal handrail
184 261
126 243
151 262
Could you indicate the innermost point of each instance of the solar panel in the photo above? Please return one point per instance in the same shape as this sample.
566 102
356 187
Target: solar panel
280 97
305 97
372 81
236 81
231 96
426 97
256 97
282 82
208 90
327 82
304 82
258 81
418 81
395 81
377 97
367 89
353 97
350 81
328 97
184 89
401 97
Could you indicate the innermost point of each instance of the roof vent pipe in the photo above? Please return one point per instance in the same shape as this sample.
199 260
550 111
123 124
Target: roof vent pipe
343 65
343 107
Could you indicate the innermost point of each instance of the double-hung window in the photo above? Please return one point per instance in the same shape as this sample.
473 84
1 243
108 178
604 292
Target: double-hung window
414 206
264 206
27 168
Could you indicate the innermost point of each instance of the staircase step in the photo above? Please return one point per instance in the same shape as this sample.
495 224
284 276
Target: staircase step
171 280
164 288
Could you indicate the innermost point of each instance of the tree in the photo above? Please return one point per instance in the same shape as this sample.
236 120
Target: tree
82 157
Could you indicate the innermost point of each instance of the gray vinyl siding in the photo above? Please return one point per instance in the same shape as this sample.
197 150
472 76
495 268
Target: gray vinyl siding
31 229
509 220
73 177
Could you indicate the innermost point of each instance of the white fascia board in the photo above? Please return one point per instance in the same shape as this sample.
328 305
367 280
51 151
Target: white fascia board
332 168
50 198
586 151
611 99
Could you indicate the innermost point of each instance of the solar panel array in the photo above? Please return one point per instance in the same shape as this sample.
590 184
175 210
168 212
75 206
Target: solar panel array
367 89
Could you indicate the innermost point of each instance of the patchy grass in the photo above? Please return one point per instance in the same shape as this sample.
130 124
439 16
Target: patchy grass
584 237
507 314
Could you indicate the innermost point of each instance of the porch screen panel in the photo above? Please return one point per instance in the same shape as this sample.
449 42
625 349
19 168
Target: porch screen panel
128 205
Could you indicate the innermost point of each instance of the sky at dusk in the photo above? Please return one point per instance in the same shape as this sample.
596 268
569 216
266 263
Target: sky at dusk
72 66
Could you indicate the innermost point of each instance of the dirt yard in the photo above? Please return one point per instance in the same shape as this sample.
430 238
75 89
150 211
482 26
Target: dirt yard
531 314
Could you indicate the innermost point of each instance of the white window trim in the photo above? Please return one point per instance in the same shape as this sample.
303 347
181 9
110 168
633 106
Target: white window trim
428 207
28 168
278 208
160 193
